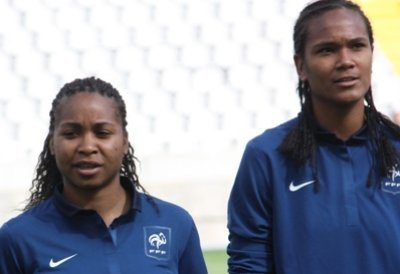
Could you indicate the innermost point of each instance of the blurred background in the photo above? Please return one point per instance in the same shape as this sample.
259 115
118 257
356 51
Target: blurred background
199 77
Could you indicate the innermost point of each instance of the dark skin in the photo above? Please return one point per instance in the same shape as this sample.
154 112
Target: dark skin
89 143
337 63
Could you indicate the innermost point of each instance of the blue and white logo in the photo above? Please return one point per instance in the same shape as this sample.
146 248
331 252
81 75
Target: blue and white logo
392 184
157 242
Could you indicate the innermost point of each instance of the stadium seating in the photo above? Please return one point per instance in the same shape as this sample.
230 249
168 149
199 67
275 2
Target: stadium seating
200 77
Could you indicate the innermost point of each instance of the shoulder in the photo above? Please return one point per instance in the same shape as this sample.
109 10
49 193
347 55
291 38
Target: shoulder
21 221
16 228
163 210
158 216
271 138
27 221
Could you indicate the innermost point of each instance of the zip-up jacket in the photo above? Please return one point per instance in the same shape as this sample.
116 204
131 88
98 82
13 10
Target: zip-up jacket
58 237
279 224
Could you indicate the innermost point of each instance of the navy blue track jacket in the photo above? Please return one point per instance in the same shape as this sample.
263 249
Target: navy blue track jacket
58 237
279 224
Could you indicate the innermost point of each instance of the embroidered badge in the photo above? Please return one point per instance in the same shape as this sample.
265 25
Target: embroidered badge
157 241
392 184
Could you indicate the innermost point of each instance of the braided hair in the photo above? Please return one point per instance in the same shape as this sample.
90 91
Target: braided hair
300 144
47 173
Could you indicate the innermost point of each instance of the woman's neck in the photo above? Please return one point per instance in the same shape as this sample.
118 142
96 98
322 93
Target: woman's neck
343 122
110 202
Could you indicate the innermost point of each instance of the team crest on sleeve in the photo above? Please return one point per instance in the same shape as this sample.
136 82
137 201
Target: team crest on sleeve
391 184
157 242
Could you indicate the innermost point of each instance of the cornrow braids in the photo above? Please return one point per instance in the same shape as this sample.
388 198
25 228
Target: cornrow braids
300 144
317 8
386 155
47 173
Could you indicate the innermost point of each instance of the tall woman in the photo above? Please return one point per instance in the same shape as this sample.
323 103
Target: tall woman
319 193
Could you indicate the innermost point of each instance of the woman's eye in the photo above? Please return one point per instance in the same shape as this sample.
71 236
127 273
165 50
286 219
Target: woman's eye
358 45
69 134
325 50
103 133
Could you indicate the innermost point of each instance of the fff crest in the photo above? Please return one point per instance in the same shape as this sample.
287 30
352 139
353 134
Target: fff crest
157 242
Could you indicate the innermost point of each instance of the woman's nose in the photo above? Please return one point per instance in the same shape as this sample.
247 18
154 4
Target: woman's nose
87 144
345 59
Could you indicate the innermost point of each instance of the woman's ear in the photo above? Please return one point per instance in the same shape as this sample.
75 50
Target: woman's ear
126 143
300 67
51 145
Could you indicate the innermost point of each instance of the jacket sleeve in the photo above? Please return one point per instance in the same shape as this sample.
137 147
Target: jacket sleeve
249 216
192 260
8 261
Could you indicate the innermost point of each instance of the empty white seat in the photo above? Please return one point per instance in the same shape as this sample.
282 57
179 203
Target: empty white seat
64 18
37 18
181 35
27 62
57 5
40 85
207 78
115 37
95 60
14 152
162 57
240 76
200 12
275 75
156 103
195 56
31 136
18 41
176 79
65 64
21 109
168 13
89 4
222 99
130 58
261 52
12 85
135 13
83 38
188 102
202 122
262 10
27 6
147 35
51 39
255 97
214 32
279 28
227 54
247 31
101 14
233 11
142 79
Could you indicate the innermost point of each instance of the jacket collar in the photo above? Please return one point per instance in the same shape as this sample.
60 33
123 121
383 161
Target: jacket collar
69 209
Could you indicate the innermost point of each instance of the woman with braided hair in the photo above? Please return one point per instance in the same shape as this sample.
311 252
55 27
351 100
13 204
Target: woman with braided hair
87 212
318 194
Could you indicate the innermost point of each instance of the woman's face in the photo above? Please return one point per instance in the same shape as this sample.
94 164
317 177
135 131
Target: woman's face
88 141
337 61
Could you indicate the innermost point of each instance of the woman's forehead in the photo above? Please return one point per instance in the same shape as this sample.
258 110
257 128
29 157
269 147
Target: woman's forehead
91 104
337 22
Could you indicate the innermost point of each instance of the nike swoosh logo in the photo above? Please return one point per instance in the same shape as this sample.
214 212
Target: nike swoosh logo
294 188
53 263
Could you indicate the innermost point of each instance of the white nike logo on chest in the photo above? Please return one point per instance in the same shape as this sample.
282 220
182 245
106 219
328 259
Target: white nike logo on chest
53 263
294 188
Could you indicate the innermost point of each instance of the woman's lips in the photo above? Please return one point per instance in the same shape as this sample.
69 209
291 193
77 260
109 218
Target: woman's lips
87 168
346 81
